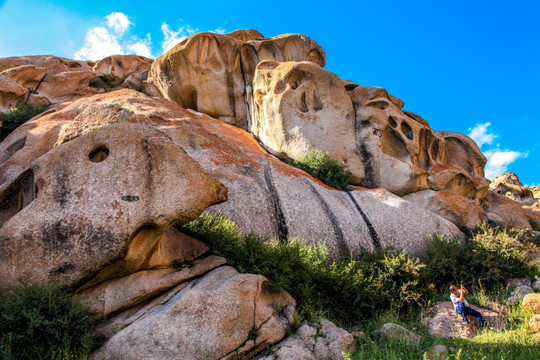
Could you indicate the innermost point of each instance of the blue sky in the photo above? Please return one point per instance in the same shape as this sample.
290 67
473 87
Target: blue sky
467 66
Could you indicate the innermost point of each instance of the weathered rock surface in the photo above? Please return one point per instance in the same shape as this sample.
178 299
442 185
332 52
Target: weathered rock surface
398 332
505 212
447 323
223 314
11 93
317 342
124 71
284 200
97 204
531 301
534 323
212 73
299 107
509 185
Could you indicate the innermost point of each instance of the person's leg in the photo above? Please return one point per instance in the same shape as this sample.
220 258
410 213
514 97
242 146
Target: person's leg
476 314
461 310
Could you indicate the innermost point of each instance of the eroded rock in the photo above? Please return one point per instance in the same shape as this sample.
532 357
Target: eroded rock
60 217
245 317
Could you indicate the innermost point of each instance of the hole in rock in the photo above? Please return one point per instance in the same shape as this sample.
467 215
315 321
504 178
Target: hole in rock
99 154
379 104
350 87
392 121
302 105
407 130
130 198
12 149
17 196
391 144
294 85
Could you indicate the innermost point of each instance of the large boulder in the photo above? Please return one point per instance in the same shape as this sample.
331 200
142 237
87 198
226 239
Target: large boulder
509 185
531 301
221 315
299 107
11 93
123 70
506 212
284 200
447 323
92 207
212 73
398 332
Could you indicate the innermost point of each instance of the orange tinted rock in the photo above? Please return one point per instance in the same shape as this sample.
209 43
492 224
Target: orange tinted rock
505 212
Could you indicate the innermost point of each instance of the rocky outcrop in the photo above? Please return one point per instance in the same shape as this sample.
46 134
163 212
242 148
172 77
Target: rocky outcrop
447 323
313 342
505 212
11 93
221 315
212 73
284 200
509 185
93 207
299 107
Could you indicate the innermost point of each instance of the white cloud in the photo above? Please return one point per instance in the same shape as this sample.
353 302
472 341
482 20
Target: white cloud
98 43
499 160
119 22
171 37
101 41
480 134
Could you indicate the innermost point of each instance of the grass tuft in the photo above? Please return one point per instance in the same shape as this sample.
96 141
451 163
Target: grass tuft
320 165
16 117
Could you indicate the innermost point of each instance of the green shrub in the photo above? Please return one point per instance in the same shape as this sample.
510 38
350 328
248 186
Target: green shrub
331 172
16 117
344 290
43 321
489 257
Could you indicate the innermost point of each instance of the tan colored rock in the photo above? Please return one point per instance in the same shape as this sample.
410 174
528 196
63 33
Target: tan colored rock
181 326
534 323
127 70
290 47
508 184
398 332
67 85
458 209
300 107
447 323
212 73
28 76
122 293
505 212
175 248
11 94
59 217
531 301
246 35
205 73
53 64
259 185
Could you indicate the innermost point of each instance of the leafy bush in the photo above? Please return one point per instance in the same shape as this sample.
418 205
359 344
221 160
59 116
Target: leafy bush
16 117
331 172
43 321
489 257
344 290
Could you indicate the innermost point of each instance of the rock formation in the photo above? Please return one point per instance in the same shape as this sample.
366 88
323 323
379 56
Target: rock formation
89 189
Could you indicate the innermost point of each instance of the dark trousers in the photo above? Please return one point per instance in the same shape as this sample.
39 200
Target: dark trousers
465 310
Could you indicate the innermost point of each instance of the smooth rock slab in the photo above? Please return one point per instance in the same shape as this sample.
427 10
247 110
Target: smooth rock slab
209 318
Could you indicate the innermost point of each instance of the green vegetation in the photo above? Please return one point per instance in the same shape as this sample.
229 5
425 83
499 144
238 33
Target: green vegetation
489 258
16 117
319 164
43 321
388 285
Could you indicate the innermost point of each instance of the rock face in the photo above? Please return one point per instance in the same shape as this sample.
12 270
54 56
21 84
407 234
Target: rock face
508 184
298 107
212 73
64 225
222 315
319 342
284 200
447 323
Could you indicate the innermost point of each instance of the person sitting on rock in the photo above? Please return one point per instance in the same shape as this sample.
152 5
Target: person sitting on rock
462 306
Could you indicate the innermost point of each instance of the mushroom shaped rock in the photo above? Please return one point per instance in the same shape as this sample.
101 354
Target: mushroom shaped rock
299 107
95 206
223 315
